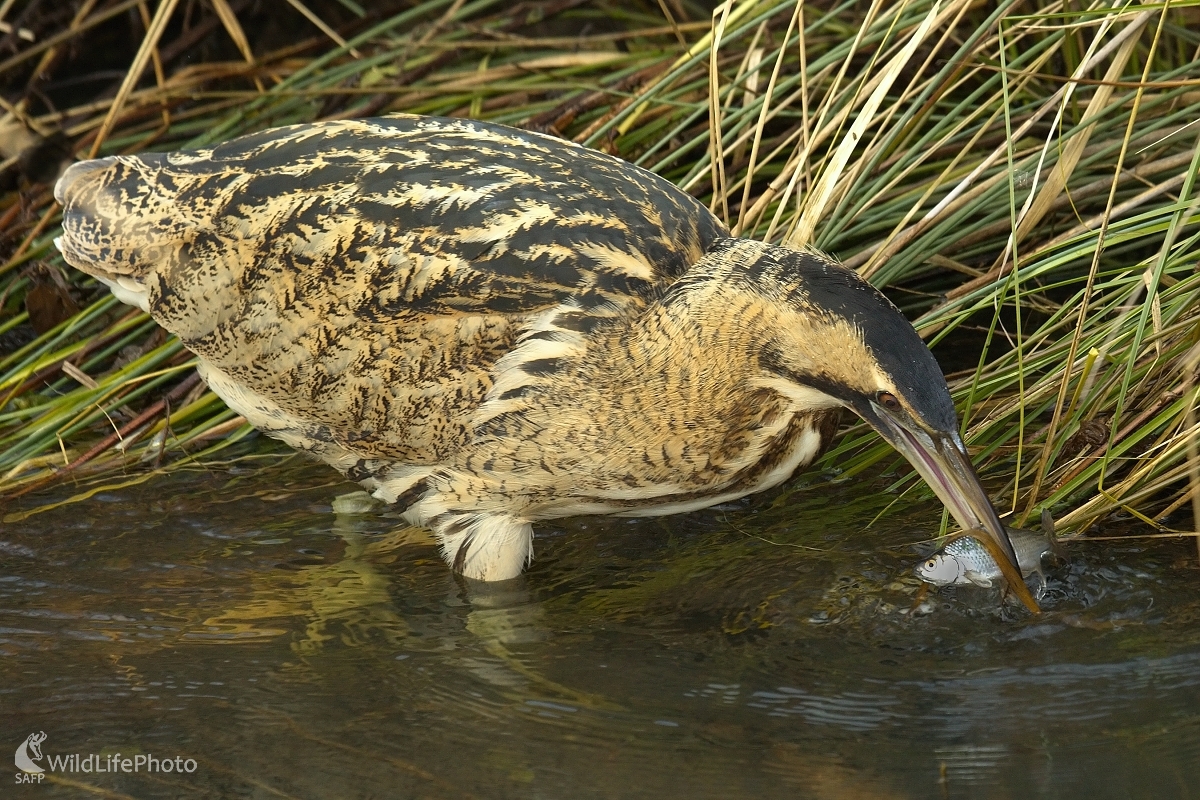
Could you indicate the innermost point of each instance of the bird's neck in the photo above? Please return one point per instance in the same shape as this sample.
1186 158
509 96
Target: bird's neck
664 411
696 340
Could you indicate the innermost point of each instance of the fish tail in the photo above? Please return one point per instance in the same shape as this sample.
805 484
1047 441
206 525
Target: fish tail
1048 531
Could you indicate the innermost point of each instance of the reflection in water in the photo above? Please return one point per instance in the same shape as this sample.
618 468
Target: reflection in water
347 600
821 776
972 764
849 710
297 653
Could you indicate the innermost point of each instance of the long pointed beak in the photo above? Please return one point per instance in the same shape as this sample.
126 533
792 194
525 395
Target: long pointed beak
943 462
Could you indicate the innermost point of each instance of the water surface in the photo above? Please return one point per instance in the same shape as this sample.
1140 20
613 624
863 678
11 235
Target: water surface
770 648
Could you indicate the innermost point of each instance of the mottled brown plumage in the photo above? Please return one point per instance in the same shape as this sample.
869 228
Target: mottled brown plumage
493 327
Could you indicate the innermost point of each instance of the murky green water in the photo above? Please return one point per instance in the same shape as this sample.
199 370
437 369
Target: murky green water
289 653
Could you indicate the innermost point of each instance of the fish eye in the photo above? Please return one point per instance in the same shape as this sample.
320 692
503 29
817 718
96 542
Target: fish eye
888 401
931 563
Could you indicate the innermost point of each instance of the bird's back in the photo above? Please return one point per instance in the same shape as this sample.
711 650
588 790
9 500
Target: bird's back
350 286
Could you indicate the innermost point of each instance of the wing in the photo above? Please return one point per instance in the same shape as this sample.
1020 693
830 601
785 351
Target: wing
364 277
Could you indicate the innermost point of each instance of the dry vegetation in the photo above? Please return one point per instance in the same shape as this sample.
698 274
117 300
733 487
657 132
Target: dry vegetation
1020 176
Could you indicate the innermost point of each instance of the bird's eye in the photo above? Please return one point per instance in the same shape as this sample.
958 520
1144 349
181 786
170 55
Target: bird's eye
888 401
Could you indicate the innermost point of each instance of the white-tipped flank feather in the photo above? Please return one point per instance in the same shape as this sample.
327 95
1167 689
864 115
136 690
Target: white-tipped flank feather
393 480
542 339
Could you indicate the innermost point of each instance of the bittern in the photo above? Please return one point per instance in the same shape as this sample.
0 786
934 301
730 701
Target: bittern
490 328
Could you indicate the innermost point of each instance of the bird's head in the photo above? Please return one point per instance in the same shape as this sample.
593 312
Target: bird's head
837 341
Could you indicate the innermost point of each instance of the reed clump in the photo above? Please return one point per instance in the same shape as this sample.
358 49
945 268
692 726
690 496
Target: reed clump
1020 177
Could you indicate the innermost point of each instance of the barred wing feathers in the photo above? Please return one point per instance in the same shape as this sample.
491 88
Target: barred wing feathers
367 283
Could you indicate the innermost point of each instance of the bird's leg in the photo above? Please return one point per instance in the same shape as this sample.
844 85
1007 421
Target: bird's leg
478 541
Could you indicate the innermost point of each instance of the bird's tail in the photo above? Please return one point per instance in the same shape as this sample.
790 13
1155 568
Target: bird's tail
117 217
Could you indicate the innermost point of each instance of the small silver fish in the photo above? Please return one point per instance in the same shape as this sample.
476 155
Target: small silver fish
966 561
